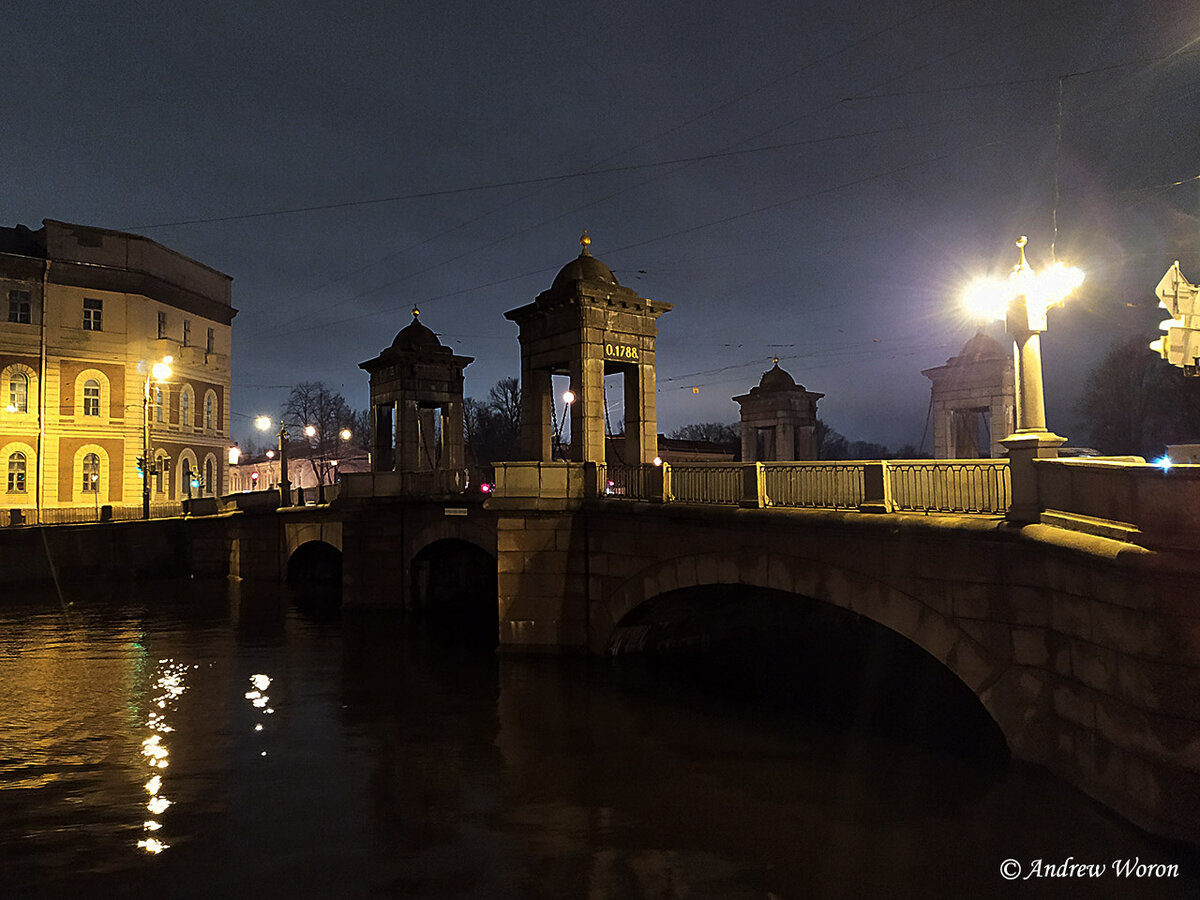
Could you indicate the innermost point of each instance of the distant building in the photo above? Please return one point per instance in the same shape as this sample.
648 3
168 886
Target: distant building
973 401
779 419
86 313
262 472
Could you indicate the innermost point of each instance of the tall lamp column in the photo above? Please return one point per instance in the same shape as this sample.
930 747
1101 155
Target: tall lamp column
1022 302
160 371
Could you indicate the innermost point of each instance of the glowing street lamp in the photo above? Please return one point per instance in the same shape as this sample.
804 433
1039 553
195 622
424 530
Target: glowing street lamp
568 397
1022 302
160 372
264 423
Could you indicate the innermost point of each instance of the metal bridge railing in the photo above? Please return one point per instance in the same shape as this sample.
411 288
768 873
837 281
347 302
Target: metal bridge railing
953 486
82 515
705 482
976 486
624 482
814 485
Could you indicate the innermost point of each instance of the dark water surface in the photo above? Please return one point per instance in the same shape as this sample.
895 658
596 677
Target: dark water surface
313 755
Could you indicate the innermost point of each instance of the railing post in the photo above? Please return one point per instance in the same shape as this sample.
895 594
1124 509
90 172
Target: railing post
658 483
754 486
1023 448
877 488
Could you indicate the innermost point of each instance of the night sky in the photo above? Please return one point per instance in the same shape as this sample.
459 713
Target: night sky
810 180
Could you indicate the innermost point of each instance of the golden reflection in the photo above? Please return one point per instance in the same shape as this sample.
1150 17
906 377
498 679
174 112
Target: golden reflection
170 685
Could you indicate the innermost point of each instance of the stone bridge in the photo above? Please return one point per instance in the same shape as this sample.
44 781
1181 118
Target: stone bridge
1077 631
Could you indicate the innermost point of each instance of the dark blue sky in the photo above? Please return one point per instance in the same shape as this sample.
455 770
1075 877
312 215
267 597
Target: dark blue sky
815 181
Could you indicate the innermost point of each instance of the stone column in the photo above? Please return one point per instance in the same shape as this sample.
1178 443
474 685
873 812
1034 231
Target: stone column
537 432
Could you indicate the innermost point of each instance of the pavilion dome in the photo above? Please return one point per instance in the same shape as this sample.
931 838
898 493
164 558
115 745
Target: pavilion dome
777 379
584 267
982 346
415 336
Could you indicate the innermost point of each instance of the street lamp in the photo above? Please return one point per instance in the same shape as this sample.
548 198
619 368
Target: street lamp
568 398
1023 301
263 423
160 372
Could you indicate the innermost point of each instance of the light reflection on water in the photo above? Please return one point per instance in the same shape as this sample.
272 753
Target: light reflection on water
280 754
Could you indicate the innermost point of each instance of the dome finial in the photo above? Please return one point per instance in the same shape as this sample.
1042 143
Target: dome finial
1021 264
416 313
775 359
584 242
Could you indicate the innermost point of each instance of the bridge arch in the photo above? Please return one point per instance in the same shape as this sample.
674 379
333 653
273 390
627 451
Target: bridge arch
315 562
985 672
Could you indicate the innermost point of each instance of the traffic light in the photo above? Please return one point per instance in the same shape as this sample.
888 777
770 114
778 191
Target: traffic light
1180 346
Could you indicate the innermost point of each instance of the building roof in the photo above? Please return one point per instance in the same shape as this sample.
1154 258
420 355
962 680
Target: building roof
777 379
415 336
584 267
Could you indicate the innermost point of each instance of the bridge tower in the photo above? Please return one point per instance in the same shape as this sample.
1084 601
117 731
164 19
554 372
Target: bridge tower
417 403
973 401
586 326
779 419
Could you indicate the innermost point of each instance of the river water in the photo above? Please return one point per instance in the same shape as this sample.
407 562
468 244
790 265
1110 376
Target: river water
205 739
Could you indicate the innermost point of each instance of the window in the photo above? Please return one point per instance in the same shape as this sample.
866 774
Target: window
93 311
209 342
208 476
91 397
208 411
19 307
16 473
158 404
91 473
185 407
187 333
162 324
18 392
187 478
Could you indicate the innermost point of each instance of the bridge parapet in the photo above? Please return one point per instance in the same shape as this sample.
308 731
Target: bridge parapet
1122 498
430 483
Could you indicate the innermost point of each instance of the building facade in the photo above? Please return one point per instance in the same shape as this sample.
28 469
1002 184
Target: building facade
87 313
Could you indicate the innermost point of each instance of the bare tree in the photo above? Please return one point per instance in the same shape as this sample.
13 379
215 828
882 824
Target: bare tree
1134 402
713 432
504 400
492 429
311 405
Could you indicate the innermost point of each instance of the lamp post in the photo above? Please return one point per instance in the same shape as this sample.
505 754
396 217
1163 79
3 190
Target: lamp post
568 398
1023 302
160 371
263 423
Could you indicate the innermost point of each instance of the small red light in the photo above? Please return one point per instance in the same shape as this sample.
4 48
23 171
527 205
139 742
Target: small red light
485 488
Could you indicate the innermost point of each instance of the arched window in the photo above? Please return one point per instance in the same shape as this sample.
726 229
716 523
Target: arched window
210 402
158 404
16 473
208 477
18 391
91 398
186 487
91 473
160 466
185 407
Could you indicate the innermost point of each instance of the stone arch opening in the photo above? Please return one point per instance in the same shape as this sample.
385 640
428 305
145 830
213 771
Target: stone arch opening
791 652
315 563
453 585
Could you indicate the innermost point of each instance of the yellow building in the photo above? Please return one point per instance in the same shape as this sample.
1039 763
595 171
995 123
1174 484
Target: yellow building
86 314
